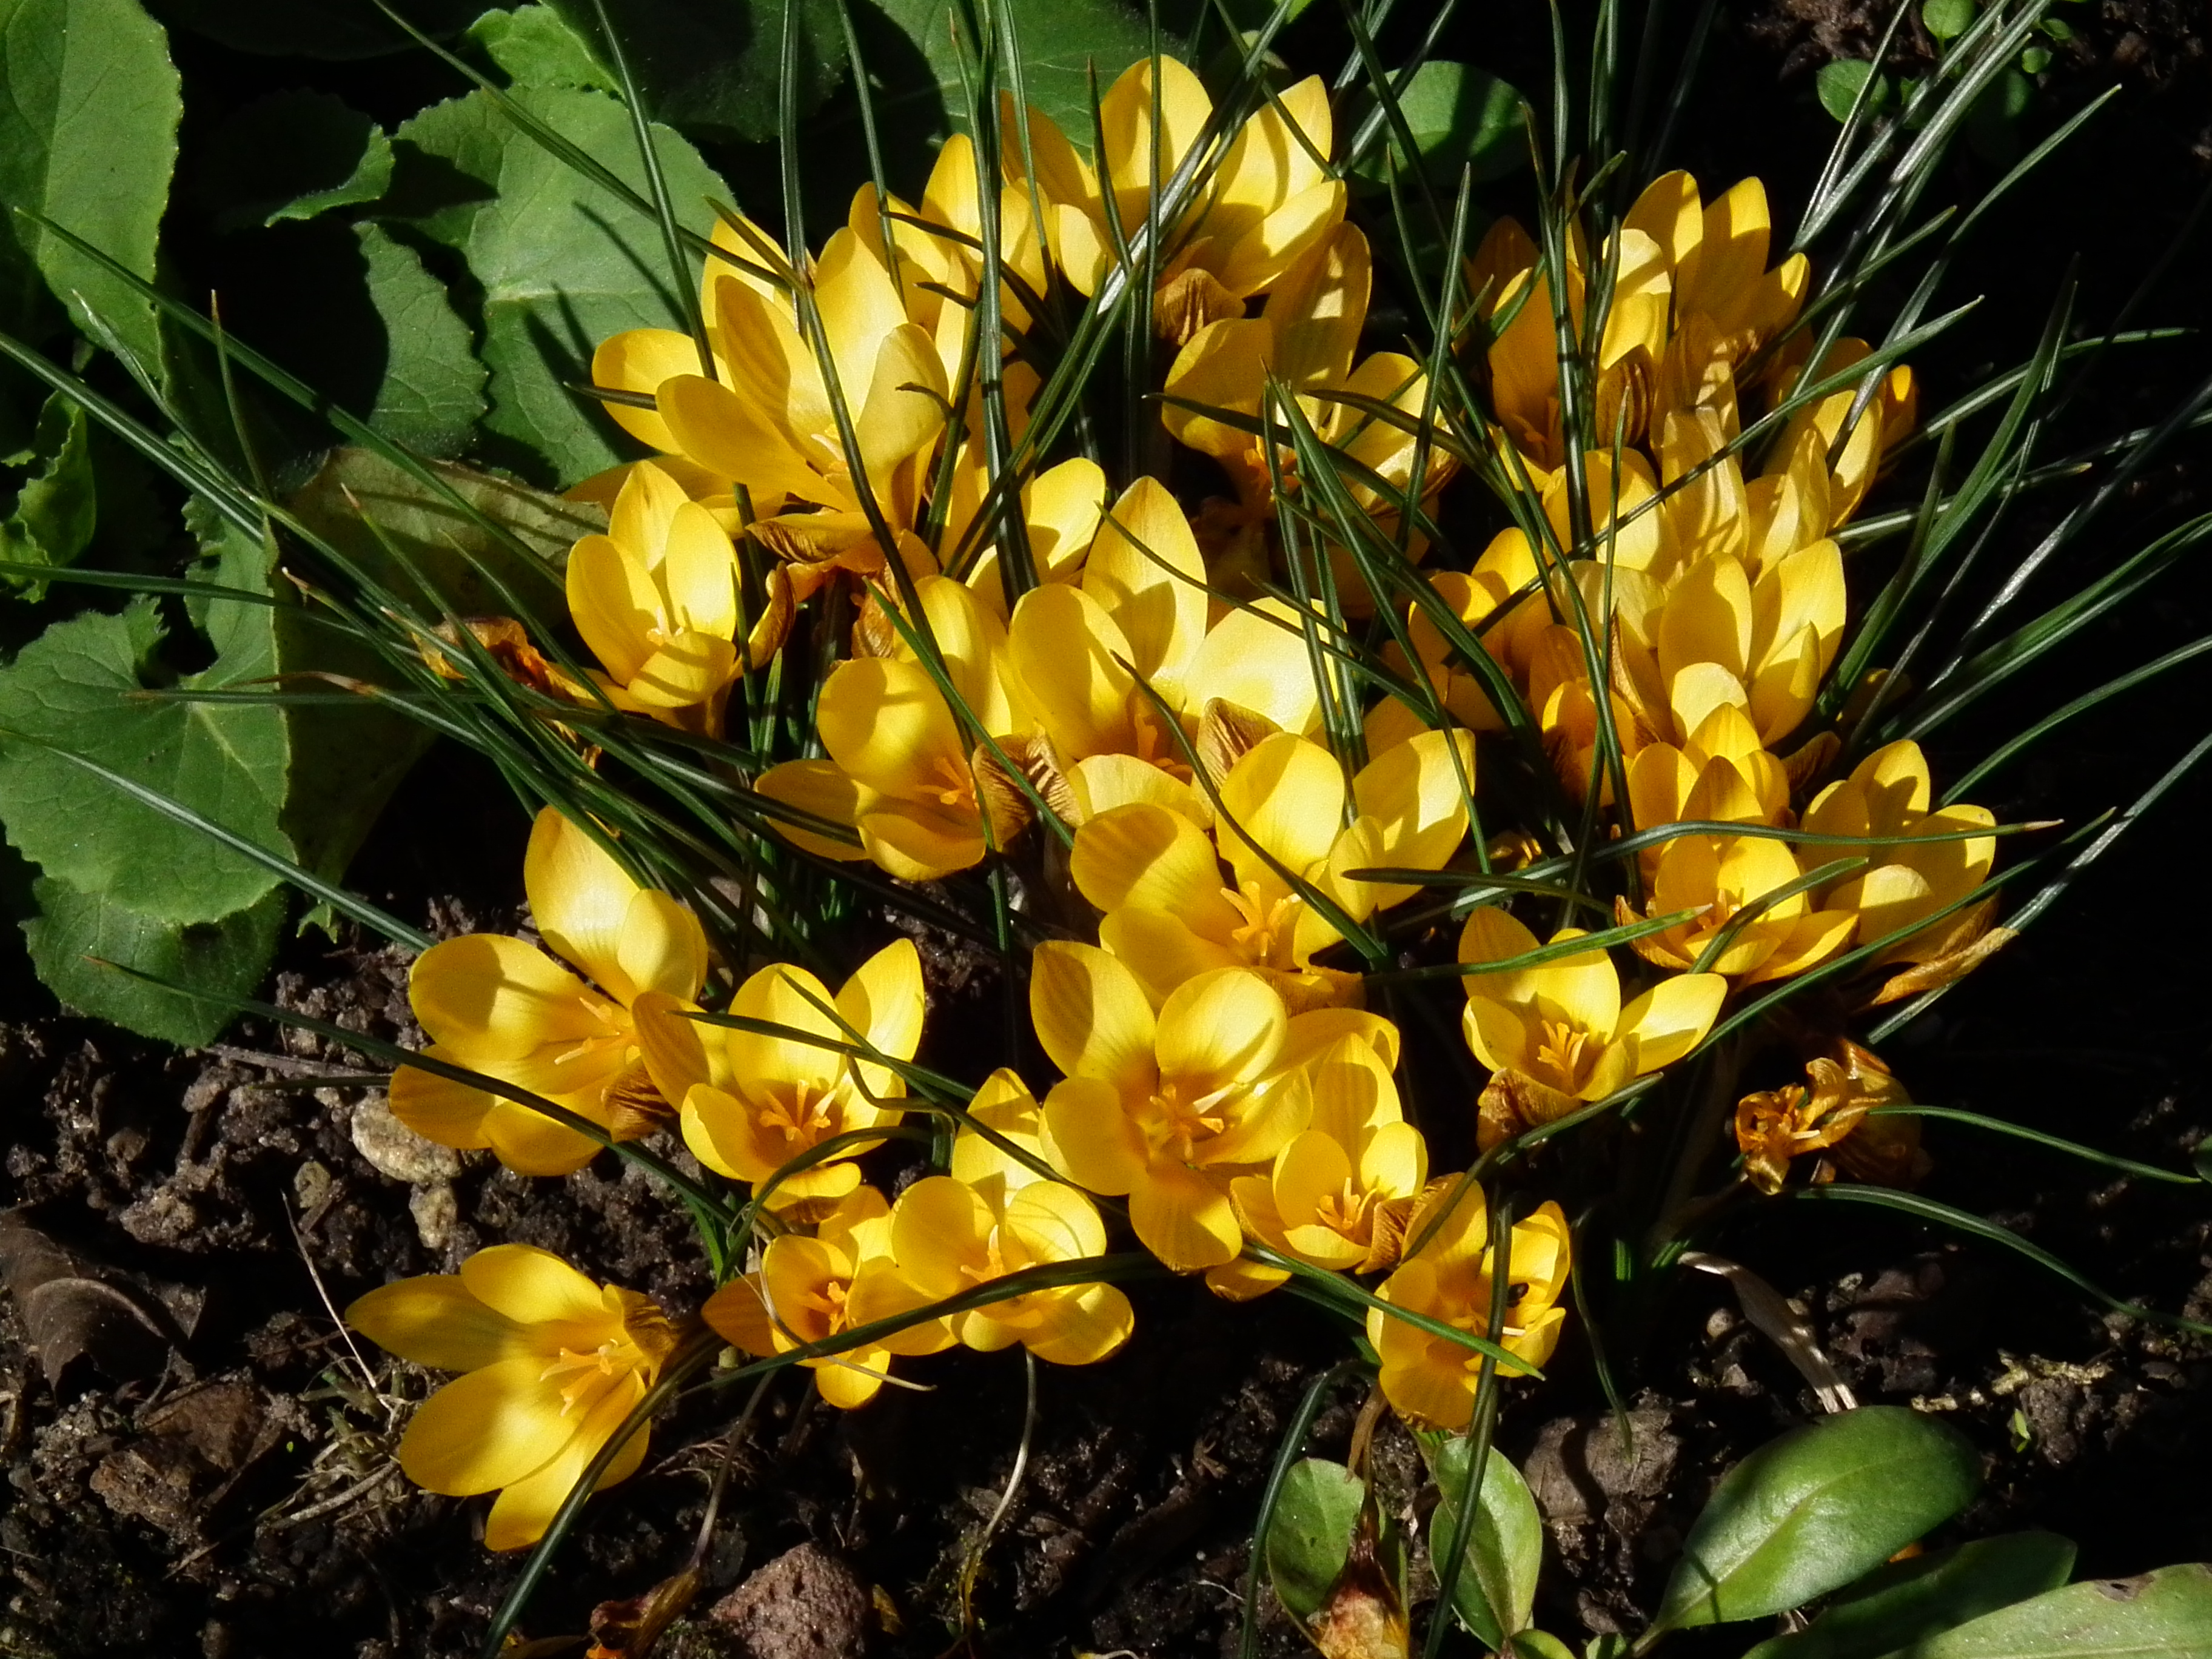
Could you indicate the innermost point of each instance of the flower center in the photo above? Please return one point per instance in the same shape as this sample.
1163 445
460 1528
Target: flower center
1567 1053
1181 1125
585 1377
801 1116
1347 1211
1268 927
1154 746
993 1264
949 783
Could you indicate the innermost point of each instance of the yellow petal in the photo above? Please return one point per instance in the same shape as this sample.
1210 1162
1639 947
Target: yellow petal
1147 856
640 360
1416 796
1395 1161
662 947
790 1000
1102 782
1062 505
579 899
488 1429
728 435
1064 649
1184 1218
1669 212
1256 658
522 1514
1260 257
436 1321
529 1143
1671 1018
1144 571
822 788
940 1228
1091 1138
1283 800
1165 951
451 1114
1085 1326
614 603
1091 1015
915 843
883 1002
1318 308
533 1287
490 998
904 410
739 1316
1224 366
886 723
699 569
1219 1028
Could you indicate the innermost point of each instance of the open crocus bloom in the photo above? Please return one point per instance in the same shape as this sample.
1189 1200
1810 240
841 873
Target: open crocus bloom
1268 199
1171 915
1165 1109
949 1237
923 800
1139 613
1555 1034
1720 775
1722 877
1339 1194
1888 794
554 1361
1431 1379
501 1006
753 1100
656 599
813 1290
764 420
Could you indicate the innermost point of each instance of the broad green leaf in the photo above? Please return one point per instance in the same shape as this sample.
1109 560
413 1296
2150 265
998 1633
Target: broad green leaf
432 393
292 155
314 28
715 66
1947 20
72 933
560 264
1540 1645
89 112
534 46
2166 1614
1907 1601
452 545
1059 39
56 508
1310 1535
1497 1586
1838 82
73 688
1811 1512
1458 117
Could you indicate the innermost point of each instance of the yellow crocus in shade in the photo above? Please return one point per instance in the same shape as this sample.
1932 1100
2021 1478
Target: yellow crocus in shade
1340 1195
1138 612
753 1101
924 799
1165 1109
504 1007
656 599
554 1361
765 421
1431 1379
949 1237
1887 793
813 1290
1269 197
1171 915
1555 1034
1720 877
1476 596
1720 774
1815 429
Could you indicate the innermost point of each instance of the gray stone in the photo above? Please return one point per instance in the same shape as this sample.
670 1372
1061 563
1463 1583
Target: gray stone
397 1150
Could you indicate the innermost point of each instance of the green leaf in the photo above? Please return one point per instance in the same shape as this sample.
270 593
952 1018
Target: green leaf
227 956
1497 1586
57 508
1458 117
292 155
1947 20
89 111
1838 82
1541 1644
432 393
314 28
2034 60
2166 1614
72 688
713 65
454 548
1811 1512
560 264
1059 39
1905 1602
1310 1535
534 47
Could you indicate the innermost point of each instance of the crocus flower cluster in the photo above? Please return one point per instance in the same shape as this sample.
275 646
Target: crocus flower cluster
1223 827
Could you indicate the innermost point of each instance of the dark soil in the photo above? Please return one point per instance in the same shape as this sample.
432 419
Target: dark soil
211 1474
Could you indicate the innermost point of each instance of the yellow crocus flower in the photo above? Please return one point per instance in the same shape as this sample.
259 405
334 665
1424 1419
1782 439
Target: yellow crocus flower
813 1290
764 420
1720 774
504 1007
1887 793
1431 1379
554 1364
902 769
1169 915
1268 199
1338 1196
949 1237
656 599
1505 567
1138 612
752 1101
1719 876
1165 1109
1555 1034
